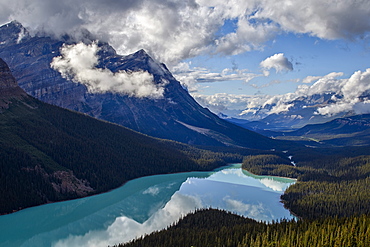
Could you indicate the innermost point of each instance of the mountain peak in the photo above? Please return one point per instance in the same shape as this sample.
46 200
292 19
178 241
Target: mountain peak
12 33
8 86
141 53
6 78
142 60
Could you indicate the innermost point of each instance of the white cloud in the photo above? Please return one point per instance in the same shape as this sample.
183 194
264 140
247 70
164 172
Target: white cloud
234 105
280 108
351 91
191 76
324 19
327 84
230 104
278 62
78 63
173 30
348 94
310 79
247 106
247 37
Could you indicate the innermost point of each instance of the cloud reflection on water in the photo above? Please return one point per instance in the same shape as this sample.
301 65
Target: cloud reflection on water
229 189
125 229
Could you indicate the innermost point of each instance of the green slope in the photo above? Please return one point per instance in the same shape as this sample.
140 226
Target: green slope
51 154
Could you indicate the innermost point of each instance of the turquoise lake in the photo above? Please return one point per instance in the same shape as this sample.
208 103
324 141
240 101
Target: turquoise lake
144 205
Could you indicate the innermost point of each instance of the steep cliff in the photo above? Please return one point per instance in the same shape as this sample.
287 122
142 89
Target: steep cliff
175 116
9 88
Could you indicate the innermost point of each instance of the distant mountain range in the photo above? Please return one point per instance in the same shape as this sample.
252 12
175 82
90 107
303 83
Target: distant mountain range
348 131
302 111
176 116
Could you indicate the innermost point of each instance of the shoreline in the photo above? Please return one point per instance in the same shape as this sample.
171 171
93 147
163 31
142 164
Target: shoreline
228 166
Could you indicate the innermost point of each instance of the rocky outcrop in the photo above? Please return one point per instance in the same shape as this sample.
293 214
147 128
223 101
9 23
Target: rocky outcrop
6 78
67 183
9 88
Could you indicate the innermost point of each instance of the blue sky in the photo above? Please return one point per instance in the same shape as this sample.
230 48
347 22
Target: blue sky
233 49
310 56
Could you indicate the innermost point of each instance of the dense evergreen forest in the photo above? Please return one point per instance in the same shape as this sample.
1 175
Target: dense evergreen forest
330 199
51 154
333 185
216 228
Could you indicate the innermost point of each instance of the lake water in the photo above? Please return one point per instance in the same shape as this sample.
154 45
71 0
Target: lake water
144 205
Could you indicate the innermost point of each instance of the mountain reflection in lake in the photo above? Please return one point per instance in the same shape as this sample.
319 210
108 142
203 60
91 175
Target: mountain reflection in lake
144 205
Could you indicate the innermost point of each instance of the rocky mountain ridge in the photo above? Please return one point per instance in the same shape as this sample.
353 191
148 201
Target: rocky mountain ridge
51 154
176 116
302 111
9 88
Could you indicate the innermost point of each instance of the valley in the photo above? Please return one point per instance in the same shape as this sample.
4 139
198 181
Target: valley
84 161
142 206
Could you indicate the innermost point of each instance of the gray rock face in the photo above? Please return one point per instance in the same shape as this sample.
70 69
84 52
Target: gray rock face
9 88
176 116
7 80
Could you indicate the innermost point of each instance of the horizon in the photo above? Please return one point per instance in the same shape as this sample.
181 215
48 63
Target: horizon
230 56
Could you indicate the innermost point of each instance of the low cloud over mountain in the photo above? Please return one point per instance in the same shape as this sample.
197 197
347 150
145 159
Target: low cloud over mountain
78 62
175 30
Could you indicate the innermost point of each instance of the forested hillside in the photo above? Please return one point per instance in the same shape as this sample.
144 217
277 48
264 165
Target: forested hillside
51 154
330 199
215 228
333 185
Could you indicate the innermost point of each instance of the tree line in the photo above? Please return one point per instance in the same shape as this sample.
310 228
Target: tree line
38 140
216 228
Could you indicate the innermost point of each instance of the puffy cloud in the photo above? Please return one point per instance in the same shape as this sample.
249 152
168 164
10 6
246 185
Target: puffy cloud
346 95
310 79
229 104
349 94
190 76
173 30
328 20
247 37
78 63
280 108
278 62
353 95
328 84
235 105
